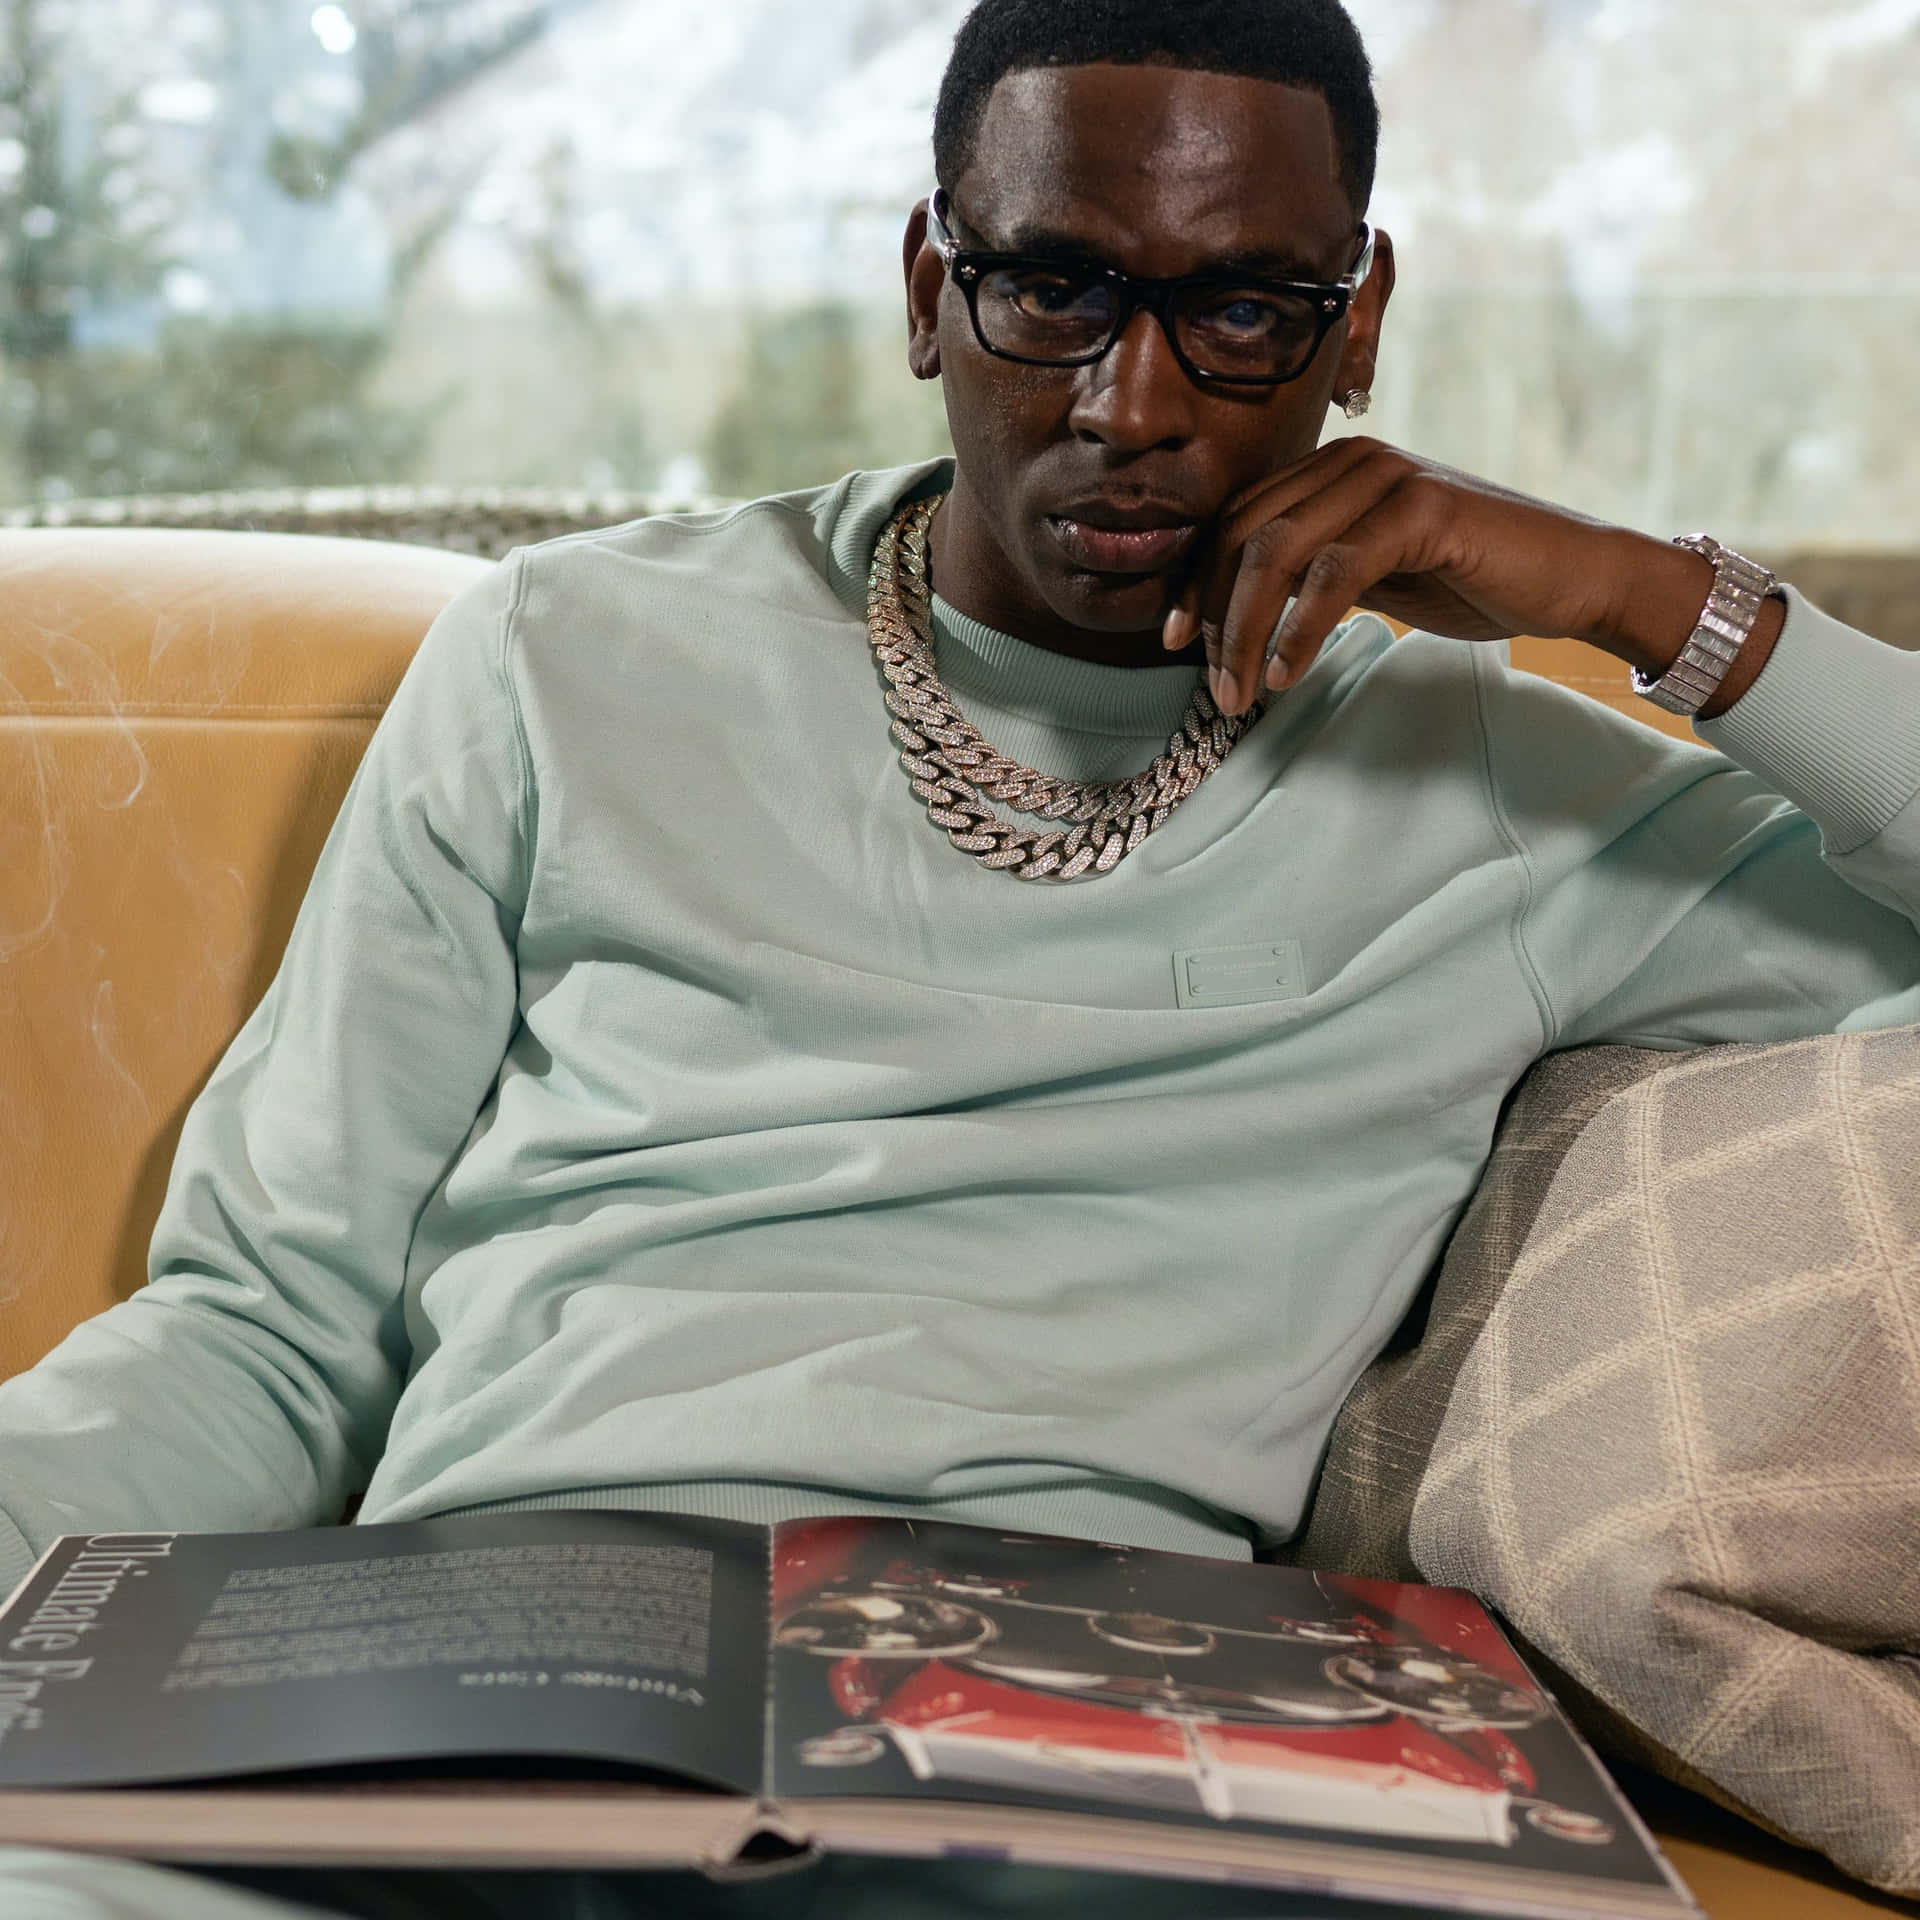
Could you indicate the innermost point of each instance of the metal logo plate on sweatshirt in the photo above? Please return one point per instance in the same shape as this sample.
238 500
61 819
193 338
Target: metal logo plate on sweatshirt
1239 976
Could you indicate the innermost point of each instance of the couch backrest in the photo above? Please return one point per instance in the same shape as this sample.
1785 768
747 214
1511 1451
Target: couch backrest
1600 677
180 713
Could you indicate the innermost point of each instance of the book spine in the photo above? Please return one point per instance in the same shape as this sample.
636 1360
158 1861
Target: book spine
768 1689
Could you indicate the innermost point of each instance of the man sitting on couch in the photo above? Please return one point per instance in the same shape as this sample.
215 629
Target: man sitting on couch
670 1100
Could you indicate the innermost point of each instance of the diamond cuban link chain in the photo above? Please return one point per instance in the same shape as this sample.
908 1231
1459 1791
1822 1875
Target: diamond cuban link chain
950 766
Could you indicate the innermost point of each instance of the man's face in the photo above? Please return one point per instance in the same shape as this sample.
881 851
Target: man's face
1082 491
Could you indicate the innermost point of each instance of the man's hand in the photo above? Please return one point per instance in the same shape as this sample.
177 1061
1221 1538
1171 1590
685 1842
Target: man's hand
1359 523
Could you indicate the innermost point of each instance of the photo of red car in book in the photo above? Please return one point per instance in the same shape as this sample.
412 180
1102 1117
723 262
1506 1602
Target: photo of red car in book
1092 1672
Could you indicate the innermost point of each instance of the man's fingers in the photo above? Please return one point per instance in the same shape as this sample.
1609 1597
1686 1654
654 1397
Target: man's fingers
1261 585
1273 558
1287 487
1390 538
1203 600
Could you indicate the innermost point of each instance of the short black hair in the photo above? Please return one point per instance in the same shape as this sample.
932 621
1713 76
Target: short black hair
1298 43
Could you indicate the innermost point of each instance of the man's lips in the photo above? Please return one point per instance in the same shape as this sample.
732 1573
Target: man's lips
1107 540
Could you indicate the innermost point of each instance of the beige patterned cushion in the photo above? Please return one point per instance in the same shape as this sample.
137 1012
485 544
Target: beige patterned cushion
1384 1435
1666 1418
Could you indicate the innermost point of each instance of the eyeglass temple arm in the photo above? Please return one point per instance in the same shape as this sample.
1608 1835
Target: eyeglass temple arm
1356 276
938 232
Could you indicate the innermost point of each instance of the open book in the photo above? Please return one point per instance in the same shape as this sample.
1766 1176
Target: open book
638 1689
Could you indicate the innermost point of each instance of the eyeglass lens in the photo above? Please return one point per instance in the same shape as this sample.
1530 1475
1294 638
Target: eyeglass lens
1056 314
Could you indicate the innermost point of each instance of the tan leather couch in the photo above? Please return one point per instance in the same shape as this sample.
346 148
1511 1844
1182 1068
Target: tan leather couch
180 714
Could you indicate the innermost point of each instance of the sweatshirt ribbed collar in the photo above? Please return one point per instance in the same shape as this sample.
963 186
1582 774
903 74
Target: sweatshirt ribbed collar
983 668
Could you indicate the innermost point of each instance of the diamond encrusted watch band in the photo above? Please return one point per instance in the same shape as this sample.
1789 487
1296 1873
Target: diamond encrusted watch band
1740 587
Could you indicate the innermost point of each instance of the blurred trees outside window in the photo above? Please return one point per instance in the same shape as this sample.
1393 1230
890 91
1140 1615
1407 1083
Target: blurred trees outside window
192 294
1657 257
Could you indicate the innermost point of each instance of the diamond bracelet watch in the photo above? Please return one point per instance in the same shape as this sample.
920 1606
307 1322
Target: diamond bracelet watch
1740 589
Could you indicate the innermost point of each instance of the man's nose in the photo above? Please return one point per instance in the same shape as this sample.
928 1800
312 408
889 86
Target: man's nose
1136 396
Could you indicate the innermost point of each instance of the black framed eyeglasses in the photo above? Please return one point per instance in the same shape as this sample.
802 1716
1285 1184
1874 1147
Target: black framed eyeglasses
1230 328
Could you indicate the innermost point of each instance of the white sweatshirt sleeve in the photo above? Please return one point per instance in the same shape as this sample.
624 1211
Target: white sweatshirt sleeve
250 1383
1678 897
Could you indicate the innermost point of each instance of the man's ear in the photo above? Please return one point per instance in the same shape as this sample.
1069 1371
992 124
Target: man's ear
926 274
1358 356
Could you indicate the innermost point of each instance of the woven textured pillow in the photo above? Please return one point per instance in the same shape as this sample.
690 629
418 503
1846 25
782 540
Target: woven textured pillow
1383 1438
1665 1416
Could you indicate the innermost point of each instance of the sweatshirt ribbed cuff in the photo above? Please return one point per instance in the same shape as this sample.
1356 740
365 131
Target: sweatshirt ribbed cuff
1833 722
17 1559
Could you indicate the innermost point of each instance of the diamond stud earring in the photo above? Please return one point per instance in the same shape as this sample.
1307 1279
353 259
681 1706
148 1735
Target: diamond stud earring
1355 401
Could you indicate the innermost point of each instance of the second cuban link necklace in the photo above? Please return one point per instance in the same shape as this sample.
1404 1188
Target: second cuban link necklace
953 769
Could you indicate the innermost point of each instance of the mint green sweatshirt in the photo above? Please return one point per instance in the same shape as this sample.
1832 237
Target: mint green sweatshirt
653 1109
